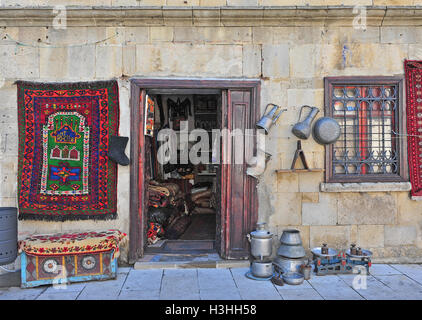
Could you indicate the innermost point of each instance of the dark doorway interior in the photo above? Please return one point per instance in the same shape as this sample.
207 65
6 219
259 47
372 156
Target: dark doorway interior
187 220
237 197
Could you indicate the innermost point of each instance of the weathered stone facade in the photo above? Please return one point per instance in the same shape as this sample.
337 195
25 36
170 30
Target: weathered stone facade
290 49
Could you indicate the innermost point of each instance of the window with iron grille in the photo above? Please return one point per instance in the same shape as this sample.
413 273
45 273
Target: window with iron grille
370 113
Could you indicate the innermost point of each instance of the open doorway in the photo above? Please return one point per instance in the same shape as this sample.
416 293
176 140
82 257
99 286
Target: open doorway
235 105
183 199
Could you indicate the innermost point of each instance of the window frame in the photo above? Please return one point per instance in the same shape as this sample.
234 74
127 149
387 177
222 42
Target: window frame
402 175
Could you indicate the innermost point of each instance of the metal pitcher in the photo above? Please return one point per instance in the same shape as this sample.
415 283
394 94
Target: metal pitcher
302 129
268 119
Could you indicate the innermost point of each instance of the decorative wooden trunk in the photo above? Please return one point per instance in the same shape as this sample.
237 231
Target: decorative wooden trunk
60 269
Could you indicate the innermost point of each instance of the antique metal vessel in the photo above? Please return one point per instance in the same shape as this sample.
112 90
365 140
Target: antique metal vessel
262 269
287 264
268 119
326 130
261 242
291 237
291 244
360 253
324 252
293 278
302 129
294 252
8 234
306 270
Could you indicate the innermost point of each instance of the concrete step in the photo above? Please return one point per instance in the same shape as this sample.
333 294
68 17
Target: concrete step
187 261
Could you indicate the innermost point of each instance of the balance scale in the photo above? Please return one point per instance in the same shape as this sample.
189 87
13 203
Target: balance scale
329 261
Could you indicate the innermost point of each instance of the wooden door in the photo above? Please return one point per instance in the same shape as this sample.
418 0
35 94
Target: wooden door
238 207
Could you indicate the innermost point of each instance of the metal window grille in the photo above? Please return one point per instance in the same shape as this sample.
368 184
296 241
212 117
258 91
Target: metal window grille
368 116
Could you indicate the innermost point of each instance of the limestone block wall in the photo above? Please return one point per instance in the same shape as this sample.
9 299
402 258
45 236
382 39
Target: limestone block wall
290 55
210 3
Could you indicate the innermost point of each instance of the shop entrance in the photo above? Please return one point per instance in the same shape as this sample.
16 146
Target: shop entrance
189 191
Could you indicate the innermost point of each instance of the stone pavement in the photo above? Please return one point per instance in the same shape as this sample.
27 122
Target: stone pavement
392 282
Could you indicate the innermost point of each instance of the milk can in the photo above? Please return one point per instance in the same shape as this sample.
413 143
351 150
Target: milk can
8 235
261 242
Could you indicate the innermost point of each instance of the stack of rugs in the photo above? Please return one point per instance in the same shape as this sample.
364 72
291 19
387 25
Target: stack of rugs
203 200
168 214
162 195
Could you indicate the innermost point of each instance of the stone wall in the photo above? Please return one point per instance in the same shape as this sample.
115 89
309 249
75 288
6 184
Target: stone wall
289 53
211 3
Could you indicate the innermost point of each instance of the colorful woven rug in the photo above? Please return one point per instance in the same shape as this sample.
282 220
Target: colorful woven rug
413 70
64 132
74 243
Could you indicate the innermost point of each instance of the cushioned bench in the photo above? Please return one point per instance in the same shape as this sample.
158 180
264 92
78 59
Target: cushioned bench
69 257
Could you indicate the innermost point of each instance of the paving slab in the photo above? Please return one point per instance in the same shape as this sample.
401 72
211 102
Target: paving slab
300 294
70 295
15 293
177 284
382 270
139 295
220 294
285 286
218 279
72 287
10 279
143 280
124 269
179 296
333 287
369 287
413 271
99 295
103 290
405 288
254 289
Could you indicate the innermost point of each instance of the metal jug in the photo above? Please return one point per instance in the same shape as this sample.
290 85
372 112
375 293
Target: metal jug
302 129
269 119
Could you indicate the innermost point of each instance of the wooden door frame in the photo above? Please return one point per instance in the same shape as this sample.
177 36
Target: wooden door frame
137 154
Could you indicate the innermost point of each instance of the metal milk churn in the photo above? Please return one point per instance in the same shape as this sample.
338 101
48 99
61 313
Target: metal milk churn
8 234
261 242
302 129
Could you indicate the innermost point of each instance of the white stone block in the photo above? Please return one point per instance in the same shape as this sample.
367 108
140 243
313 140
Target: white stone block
275 61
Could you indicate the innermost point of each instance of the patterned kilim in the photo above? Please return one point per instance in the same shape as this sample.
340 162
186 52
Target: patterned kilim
413 70
64 132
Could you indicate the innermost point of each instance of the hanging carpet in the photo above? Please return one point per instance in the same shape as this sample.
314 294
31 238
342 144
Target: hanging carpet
64 135
413 73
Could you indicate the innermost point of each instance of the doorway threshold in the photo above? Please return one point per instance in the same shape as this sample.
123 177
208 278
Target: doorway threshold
187 261
185 254
182 246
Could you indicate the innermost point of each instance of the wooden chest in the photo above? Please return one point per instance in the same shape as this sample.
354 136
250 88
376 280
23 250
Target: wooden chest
60 269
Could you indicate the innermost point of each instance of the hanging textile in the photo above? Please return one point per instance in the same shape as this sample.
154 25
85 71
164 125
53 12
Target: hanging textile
64 134
413 73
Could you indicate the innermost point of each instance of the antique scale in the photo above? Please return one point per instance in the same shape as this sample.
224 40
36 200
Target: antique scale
329 261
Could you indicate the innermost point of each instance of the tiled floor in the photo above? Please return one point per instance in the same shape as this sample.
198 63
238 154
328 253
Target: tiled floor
392 282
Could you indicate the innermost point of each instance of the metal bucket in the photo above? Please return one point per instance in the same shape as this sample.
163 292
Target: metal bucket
8 235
